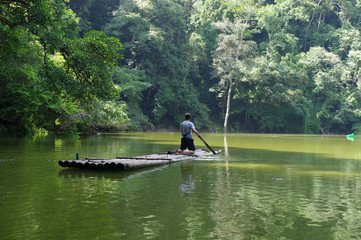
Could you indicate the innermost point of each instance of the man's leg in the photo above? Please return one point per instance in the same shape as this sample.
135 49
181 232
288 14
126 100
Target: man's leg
191 147
183 146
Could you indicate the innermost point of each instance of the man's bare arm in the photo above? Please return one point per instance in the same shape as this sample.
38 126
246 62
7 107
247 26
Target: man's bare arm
196 132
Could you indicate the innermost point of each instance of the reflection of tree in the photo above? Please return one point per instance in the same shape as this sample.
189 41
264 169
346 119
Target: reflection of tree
194 211
253 203
259 194
334 203
248 208
230 215
233 203
187 183
225 145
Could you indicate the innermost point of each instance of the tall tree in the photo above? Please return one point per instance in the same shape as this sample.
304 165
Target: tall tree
233 50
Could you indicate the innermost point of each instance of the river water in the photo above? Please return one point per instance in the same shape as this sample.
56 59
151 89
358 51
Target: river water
259 187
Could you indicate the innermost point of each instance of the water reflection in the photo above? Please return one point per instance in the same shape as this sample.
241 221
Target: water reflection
109 174
226 153
272 201
187 183
265 187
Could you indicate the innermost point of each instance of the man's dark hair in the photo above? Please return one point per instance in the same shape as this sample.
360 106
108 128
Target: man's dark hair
187 116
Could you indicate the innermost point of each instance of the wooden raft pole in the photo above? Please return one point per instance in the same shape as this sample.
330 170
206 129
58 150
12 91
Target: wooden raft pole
122 163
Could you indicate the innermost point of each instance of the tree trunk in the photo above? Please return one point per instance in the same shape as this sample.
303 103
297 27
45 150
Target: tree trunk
228 106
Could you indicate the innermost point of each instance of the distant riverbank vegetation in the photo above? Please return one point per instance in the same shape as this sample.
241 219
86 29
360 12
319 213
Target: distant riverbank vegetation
263 66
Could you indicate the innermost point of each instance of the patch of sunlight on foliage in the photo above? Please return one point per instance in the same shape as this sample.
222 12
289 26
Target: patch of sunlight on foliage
40 132
156 34
144 4
58 59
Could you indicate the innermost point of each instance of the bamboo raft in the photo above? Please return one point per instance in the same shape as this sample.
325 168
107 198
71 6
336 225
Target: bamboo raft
124 163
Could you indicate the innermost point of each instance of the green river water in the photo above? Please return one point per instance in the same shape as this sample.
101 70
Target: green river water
259 187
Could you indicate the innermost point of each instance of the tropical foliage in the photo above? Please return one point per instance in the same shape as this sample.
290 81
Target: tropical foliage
237 65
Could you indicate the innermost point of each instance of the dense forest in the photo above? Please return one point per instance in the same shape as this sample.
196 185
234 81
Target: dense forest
265 66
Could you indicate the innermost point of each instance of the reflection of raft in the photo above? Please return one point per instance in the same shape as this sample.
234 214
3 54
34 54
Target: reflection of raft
123 163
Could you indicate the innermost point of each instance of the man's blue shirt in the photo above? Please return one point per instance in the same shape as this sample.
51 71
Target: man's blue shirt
186 129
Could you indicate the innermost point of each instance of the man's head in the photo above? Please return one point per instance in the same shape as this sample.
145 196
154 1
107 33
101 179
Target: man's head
187 116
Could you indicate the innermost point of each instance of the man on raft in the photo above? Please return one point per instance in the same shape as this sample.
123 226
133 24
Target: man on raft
186 128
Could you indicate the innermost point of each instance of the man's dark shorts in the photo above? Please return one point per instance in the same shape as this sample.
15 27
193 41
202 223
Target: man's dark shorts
187 143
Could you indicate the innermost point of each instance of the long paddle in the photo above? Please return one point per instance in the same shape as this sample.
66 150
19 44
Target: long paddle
206 144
